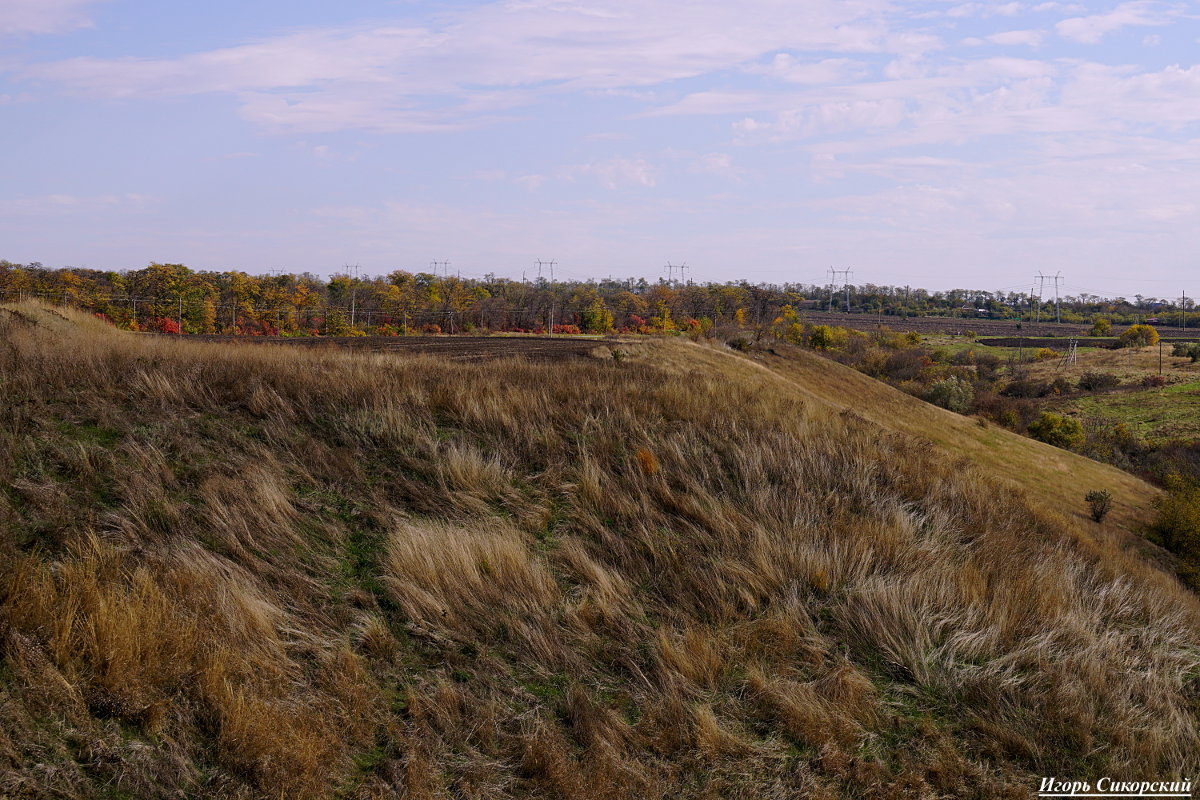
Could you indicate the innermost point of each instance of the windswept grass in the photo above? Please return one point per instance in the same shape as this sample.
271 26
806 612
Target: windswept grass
240 571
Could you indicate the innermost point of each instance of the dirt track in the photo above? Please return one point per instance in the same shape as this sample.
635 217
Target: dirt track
453 348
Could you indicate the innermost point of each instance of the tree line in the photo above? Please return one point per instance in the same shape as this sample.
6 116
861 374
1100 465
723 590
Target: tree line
176 299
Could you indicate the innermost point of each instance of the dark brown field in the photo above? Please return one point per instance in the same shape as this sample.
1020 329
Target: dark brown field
982 327
452 348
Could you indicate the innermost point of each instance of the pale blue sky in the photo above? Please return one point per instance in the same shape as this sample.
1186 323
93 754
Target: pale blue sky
937 144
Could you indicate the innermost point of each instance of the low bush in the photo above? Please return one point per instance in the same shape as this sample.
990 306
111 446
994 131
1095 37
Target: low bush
1026 387
1186 350
1098 381
963 358
1138 336
1011 412
1099 503
1177 527
906 365
953 394
1058 430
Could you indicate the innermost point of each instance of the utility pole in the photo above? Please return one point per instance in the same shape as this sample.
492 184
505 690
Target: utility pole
352 273
1183 311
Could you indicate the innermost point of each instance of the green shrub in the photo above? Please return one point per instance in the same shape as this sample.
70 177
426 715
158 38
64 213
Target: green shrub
1057 429
1178 526
1099 503
1187 350
953 394
1100 327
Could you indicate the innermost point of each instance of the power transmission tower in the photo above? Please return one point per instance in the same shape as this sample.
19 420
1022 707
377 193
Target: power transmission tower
1057 278
1183 311
549 264
845 273
445 265
671 271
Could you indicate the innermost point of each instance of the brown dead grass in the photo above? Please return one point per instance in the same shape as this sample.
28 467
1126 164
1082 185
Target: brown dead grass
236 571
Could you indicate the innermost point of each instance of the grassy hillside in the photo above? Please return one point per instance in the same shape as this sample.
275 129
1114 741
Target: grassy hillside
263 572
1053 478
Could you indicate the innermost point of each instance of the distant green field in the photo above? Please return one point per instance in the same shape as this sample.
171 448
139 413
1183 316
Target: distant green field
1171 412
958 344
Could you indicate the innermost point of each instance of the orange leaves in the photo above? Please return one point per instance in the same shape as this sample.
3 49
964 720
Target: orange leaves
647 462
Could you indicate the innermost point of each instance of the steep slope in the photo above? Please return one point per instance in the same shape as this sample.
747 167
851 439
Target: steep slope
1054 478
237 571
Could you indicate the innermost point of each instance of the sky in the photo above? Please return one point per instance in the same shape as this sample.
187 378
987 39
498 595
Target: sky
927 143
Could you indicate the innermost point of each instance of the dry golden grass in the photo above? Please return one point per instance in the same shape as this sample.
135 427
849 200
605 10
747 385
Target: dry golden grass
264 572
1054 478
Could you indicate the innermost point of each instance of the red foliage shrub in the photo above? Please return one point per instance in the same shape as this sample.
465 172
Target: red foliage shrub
163 325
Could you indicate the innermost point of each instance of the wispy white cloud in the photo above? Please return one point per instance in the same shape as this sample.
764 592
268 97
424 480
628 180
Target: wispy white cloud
787 67
1030 38
1092 28
69 204
719 164
44 16
477 65
985 10
615 172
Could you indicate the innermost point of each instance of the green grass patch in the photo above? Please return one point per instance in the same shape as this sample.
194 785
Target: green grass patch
1172 412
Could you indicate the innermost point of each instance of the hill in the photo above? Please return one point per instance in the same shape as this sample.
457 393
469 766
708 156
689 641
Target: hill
1052 477
262 572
